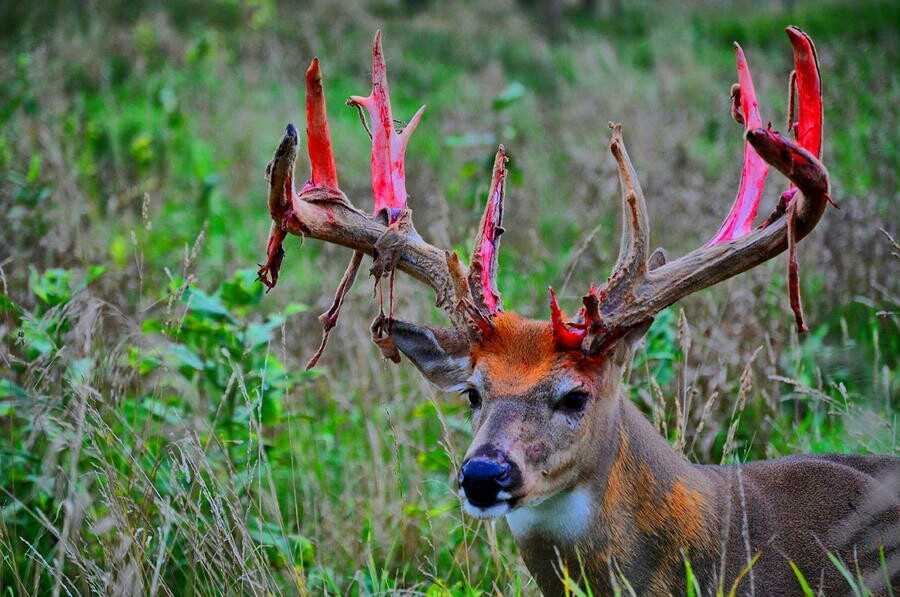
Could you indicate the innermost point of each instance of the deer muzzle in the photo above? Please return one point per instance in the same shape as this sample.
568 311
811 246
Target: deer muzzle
488 483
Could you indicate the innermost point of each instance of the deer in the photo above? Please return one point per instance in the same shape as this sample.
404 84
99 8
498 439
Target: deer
589 488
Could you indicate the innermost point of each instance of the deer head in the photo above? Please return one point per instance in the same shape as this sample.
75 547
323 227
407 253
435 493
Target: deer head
543 393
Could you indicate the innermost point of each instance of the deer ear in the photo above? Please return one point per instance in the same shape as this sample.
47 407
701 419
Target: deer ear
441 355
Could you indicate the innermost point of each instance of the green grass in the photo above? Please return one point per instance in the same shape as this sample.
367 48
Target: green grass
155 417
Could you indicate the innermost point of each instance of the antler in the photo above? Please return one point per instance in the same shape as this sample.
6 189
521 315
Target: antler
639 286
322 211
483 272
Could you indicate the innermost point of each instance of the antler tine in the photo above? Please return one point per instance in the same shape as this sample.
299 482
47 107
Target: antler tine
388 146
633 245
483 269
318 137
630 268
745 109
809 91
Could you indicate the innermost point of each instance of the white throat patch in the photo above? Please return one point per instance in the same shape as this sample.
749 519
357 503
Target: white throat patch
564 516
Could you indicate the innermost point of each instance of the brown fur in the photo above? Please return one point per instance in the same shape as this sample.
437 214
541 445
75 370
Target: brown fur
517 355
650 506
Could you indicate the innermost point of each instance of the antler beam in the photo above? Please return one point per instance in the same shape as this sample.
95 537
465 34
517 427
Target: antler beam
327 215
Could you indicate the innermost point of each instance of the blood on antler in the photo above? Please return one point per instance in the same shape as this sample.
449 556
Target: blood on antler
321 210
485 254
388 145
641 284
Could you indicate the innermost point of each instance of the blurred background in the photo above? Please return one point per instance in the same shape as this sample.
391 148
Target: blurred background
158 434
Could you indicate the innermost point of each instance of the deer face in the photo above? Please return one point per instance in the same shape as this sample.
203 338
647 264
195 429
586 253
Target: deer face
536 409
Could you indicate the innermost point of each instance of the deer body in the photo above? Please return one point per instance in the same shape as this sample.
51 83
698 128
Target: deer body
597 489
653 506
587 485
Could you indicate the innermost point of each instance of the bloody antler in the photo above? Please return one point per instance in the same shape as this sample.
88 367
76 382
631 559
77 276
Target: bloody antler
739 220
322 211
388 146
483 269
639 288
804 84
318 137
324 175
640 285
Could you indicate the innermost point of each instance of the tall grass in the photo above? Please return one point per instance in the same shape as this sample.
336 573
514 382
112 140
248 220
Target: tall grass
157 432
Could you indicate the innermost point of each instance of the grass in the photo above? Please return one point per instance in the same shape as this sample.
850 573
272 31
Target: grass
157 431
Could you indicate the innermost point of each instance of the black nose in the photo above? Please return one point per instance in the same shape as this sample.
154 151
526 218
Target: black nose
483 478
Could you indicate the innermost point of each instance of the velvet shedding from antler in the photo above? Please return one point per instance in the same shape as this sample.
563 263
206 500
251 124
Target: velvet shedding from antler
321 210
745 110
641 283
388 145
485 254
637 290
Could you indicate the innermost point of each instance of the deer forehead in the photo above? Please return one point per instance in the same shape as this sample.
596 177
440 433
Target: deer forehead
521 354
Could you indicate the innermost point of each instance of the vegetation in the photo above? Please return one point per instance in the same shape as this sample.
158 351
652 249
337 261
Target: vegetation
158 433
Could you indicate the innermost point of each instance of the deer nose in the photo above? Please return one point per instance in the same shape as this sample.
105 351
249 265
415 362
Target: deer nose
482 479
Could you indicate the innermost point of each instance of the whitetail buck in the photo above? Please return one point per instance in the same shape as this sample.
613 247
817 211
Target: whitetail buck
583 479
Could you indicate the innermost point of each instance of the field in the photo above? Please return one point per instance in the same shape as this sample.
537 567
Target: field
158 432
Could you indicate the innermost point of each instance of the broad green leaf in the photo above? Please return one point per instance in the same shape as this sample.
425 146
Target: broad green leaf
258 334
205 304
169 414
184 356
53 287
514 92
244 288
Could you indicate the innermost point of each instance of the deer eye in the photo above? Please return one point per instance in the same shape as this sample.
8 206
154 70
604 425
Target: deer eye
573 402
474 397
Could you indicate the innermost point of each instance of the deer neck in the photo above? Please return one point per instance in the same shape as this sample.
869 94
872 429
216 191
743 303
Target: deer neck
638 507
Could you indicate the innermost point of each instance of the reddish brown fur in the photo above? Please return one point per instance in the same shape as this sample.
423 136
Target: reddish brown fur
634 495
517 354
520 353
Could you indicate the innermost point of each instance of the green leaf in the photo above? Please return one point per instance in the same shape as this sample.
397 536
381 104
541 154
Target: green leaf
690 582
118 250
205 304
10 389
258 334
293 308
186 357
7 305
94 272
292 546
845 573
170 414
34 168
244 288
53 287
35 336
514 92
270 409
